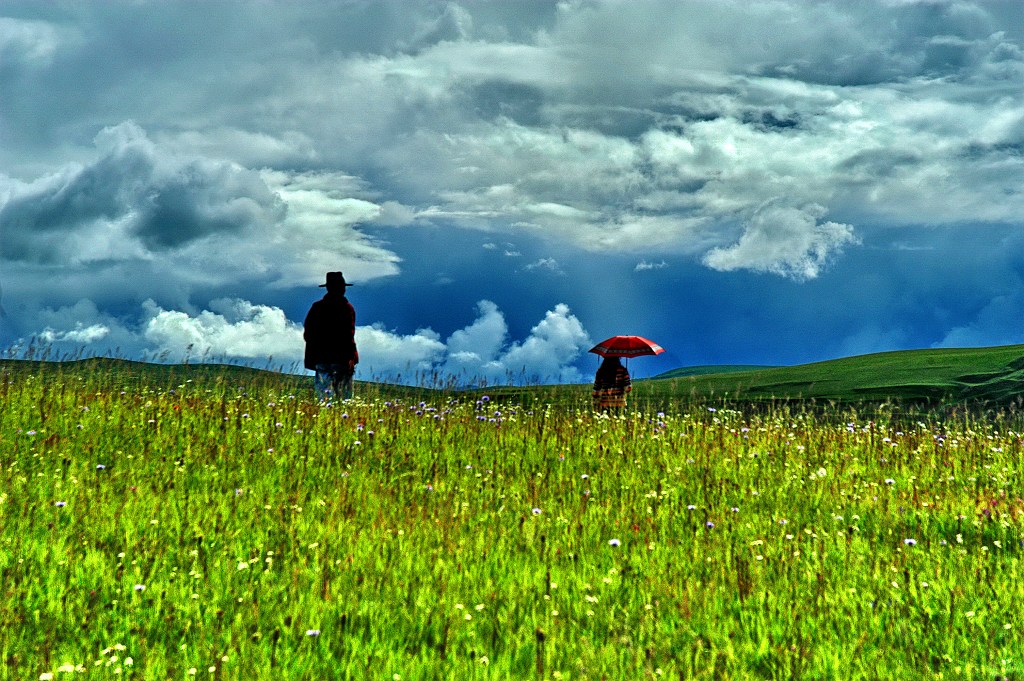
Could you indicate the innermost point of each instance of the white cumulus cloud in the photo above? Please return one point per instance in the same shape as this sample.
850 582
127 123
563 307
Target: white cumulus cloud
480 352
232 329
784 240
238 330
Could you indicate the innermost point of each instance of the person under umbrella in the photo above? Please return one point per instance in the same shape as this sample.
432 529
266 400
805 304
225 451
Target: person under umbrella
612 382
611 385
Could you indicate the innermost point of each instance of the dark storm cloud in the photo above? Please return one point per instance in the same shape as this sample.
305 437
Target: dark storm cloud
131 192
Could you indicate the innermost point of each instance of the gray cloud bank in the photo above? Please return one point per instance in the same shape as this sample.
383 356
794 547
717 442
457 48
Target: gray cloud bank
657 125
260 142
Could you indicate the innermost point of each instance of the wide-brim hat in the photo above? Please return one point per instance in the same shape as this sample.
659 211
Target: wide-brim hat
335 279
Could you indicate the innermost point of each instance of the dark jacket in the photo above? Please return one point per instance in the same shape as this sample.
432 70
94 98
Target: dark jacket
611 384
330 332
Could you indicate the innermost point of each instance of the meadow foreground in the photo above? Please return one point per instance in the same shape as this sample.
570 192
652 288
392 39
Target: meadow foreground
215 533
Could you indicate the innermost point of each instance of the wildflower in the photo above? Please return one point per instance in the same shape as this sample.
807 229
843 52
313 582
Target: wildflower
614 542
100 467
584 476
312 632
735 509
890 481
691 507
710 525
536 511
242 565
140 587
910 542
60 504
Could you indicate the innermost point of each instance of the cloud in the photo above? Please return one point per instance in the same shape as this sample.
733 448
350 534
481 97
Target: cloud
546 119
75 330
548 264
387 355
237 330
80 334
479 343
547 354
996 323
786 241
480 352
28 43
131 202
644 266
230 329
321 230
139 201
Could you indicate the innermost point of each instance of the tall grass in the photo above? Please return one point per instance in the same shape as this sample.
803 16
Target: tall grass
227 531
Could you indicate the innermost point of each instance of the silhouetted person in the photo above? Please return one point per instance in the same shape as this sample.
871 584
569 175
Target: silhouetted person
330 334
611 384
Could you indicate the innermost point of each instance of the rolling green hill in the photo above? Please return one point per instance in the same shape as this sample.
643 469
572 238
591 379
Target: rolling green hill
683 372
982 375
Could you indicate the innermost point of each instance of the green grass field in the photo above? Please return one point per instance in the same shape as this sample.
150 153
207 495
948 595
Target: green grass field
979 374
195 523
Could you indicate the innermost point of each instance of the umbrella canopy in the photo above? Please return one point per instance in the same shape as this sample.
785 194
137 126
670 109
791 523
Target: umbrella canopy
626 346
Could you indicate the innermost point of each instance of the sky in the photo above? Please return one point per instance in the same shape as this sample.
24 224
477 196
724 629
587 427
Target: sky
507 183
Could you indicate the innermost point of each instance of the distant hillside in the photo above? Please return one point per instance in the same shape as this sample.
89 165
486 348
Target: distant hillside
979 374
683 372
111 373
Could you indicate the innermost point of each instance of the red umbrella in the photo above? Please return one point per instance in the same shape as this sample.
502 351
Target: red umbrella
626 346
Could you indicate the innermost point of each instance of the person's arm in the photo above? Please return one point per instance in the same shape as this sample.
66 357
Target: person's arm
355 351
